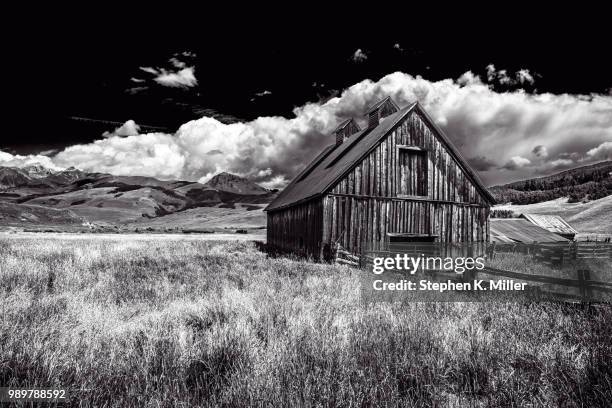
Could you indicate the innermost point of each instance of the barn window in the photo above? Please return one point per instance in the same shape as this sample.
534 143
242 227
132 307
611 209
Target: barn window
412 179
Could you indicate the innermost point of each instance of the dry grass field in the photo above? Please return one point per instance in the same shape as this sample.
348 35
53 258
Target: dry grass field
137 321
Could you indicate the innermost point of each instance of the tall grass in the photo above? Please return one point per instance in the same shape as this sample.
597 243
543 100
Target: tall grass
188 323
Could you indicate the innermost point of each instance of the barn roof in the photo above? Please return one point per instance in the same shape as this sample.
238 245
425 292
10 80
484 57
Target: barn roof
381 103
336 160
552 223
342 125
520 230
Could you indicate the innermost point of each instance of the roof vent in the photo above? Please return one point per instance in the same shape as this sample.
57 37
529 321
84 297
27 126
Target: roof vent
380 110
345 130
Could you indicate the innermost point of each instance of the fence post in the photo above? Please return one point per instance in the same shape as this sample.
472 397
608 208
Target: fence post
584 275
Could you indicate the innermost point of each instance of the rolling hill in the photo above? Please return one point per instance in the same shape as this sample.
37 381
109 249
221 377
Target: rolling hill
579 184
587 217
39 197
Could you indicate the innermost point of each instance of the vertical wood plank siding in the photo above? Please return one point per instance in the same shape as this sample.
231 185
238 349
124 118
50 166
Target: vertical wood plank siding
367 203
297 229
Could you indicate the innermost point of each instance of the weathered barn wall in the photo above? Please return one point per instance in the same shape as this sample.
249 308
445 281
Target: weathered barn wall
359 223
297 228
367 203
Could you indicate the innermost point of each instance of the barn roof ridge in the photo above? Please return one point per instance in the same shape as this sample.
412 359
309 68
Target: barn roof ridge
334 162
382 102
343 124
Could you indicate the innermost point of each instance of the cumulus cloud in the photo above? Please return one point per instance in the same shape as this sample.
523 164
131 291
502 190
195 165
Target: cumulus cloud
129 128
151 154
359 55
520 77
468 78
524 76
601 152
516 162
10 160
497 130
398 47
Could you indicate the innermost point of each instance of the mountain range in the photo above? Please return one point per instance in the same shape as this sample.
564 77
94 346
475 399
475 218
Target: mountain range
37 198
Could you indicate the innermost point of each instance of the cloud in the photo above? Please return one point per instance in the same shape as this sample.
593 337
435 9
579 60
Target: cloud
136 89
398 47
129 128
151 154
481 163
260 94
277 182
520 77
185 78
601 152
264 93
150 70
468 78
540 151
516 162
137 80
177 63
178 76
11 160
491 127
561 164
359 55
524 76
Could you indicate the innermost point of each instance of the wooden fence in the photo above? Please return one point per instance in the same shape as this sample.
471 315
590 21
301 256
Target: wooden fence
579 288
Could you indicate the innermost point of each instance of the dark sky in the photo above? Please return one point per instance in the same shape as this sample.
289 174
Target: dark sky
79 63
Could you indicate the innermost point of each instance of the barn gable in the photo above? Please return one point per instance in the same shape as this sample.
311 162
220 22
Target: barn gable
334 165
397 180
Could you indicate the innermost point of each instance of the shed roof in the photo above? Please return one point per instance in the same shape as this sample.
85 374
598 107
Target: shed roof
552 223
336 160
520 230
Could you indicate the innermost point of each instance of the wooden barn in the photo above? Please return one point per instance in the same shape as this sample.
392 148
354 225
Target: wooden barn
399 179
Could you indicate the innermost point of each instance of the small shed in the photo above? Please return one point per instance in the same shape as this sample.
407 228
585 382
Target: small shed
520 230
552 223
